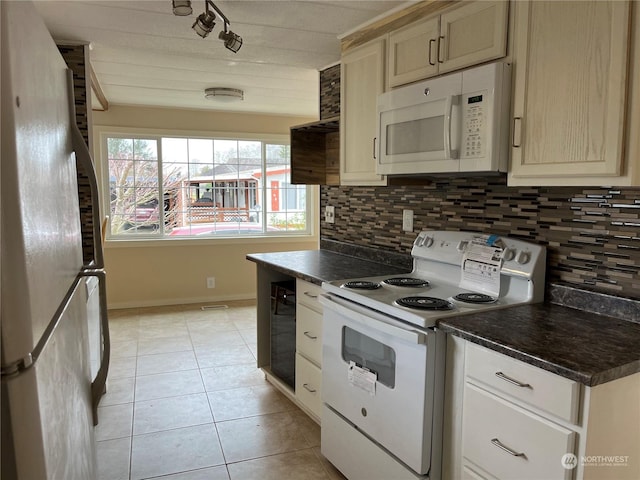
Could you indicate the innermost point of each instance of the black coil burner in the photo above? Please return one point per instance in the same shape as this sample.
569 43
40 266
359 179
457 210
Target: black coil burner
474 298
424 303
361 285
406 282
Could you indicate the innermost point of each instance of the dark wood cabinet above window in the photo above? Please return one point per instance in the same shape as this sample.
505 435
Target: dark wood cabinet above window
315 153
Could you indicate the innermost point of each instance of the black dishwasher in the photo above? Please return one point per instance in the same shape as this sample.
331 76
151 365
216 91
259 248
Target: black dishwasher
283 331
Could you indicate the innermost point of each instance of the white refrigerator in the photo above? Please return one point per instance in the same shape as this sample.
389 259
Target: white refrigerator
48 398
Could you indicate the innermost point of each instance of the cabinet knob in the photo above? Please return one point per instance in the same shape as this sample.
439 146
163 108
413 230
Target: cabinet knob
308 335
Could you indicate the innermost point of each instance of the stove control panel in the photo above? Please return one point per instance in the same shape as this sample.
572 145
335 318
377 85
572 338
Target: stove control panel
518 257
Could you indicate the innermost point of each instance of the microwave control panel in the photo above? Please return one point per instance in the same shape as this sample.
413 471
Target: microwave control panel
474 125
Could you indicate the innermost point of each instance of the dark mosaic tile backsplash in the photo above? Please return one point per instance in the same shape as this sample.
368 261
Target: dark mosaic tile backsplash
74 56
592 234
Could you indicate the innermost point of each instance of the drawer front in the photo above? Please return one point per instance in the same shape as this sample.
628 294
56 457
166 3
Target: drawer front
342 444
308 294
538 388
309 334
509 442
309 385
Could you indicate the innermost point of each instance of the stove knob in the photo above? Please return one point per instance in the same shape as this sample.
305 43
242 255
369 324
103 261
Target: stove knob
509 254
462 246
427 242
523 258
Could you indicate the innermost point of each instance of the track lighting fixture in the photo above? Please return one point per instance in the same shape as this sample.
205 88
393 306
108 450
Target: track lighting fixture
206 21
231 40
182 8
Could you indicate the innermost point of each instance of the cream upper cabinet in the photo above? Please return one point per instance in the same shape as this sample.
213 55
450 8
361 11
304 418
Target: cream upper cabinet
362 80
412 52
467 35
570 66
473 34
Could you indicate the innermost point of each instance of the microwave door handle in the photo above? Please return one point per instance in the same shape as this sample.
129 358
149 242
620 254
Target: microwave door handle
449 152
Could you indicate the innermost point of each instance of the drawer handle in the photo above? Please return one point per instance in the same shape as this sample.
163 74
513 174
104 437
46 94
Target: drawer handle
512 381
308 388
502 446
310 295
308 335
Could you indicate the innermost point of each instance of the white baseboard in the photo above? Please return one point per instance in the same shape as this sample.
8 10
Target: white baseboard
178 301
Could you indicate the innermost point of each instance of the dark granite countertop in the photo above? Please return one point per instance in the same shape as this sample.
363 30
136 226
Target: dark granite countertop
317 266
587 347
582 346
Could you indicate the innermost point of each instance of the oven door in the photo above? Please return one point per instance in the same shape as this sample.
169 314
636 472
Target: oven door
380 375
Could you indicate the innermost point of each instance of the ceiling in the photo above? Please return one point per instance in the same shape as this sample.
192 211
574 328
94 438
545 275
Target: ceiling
142 54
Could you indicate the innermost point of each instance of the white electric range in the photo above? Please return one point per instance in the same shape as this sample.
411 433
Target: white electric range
448 279
383 359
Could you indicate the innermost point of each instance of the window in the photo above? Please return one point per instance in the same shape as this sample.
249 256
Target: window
168 187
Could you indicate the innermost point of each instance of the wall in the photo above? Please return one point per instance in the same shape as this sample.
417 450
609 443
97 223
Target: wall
168 272
592 234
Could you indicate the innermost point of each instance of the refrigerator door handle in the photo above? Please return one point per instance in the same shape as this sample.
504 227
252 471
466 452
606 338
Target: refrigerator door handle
95 268
18 367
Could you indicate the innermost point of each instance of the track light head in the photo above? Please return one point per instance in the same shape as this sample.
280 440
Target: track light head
182 8
204 23
232 41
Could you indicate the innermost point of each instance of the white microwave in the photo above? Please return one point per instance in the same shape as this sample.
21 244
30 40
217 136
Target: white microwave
455 123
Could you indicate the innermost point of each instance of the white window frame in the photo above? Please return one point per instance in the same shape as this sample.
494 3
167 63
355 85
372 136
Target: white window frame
101 134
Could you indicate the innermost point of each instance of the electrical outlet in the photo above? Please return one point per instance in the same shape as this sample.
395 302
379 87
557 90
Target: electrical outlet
211 282
330 214
407 220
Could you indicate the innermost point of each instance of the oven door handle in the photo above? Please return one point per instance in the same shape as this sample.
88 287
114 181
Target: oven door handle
373 320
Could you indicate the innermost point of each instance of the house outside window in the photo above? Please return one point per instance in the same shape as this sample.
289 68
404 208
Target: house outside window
181 187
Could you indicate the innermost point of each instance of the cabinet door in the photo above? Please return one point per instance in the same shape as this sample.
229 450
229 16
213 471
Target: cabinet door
473 34
362 80
412 53
570 91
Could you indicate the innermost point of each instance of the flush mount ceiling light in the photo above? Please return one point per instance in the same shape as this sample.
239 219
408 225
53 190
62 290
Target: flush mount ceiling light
182 8
205 22
224 94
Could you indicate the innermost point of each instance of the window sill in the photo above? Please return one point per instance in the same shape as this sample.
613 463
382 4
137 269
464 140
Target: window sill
183 242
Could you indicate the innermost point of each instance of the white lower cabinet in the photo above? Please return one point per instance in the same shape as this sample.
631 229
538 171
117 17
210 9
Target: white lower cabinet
309 348
506 419
517 419
511 442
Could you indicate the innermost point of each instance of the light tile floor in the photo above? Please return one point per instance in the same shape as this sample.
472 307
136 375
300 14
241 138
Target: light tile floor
185 401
